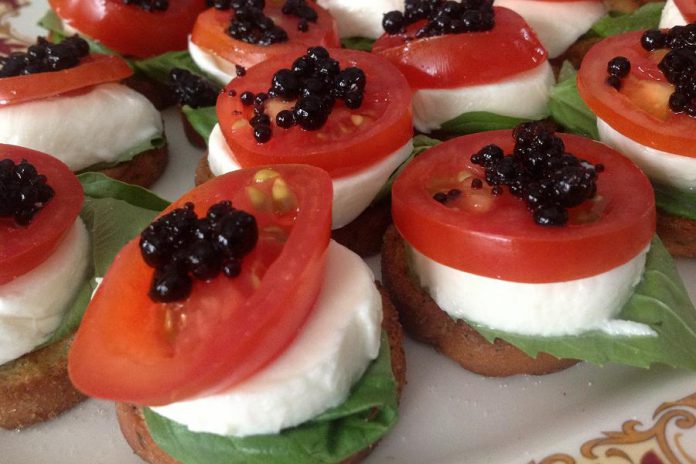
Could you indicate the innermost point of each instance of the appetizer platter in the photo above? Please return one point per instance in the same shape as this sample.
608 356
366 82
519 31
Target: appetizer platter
447 415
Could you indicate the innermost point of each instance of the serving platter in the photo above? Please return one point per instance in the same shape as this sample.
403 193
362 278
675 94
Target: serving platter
610 414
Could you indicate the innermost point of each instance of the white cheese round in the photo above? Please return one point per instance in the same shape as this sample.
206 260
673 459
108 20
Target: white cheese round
557 24
545 309
523 95
360 18
218 68
671 16
33 304
317 371
82 128
352 194
661 166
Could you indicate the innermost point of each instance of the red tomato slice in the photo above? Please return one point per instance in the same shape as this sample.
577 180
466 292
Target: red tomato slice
130 348
687 8
209 33
349 141
640 109
92 70
129 29
24 248
497 237
472 58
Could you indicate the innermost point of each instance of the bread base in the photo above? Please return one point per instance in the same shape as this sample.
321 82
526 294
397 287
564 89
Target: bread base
677 233
192 136
134 429
143 170
426 322
159 94
36 387
363 235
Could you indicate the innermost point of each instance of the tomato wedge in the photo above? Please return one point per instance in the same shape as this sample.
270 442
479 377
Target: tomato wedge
130 348
349 141
495 236
471 58
129 29
24 248
639 110
92 70
209 33
687 8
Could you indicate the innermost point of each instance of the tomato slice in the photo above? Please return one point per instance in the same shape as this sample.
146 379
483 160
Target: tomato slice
209 33
92 70
471 58
495 236
639 110
24 248
130 348
687 8
349 141
129 29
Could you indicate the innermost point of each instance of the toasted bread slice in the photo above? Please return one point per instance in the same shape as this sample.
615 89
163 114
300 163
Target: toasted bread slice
142 170
677 233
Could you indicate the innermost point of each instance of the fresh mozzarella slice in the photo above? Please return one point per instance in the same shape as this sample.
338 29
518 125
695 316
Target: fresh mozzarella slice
546 309
671 16
360 18
219 69
32 305
83 128
352 193
523 95
661 166
316 372
557 23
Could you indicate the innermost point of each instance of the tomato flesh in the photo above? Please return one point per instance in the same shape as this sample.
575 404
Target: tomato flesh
209 33
24 248
130 348
471 58
93 70
129 29
687 8
496 236
639 110
349 141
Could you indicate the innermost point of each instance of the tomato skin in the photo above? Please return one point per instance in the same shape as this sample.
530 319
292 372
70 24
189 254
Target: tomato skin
504 242
687 8
128 29
24 248
209 33
330 148
676 133
92 70
437 63
230 328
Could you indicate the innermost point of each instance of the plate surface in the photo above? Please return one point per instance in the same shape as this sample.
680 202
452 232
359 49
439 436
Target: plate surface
614 414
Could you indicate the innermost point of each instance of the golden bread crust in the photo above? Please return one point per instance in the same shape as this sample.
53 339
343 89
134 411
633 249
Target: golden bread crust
677 233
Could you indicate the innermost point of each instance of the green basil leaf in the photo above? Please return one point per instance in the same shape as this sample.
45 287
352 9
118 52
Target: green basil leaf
674 201
202 119
480 121
146 145
645 17
365 417
568 109
358 43
53 24
659 301
157 67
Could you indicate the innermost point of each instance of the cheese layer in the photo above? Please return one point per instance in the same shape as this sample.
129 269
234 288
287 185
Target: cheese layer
523 95
82 128
329 355
352 194
546 309
671 16
360 18
218 68
33 304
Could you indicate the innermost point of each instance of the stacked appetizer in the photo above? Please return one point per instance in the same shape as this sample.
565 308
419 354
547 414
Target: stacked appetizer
55 98
245 328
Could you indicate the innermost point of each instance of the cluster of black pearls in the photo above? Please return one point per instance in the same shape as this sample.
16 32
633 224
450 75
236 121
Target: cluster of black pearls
540 172
249 24
181 246
149 5
302 10
444 17
316 80
45 57
23 191
190 89
618 68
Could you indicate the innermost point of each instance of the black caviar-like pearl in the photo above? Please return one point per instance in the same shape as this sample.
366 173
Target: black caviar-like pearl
652 40
170 284
237 233
551 216
619 66
310 113
262 134
260 120
303 25
203 260
393 22
232 267
678 102
239 70
614 82
488 155
476 184
260 98
302 66
192 90
353 100
317 54
440 197
247 98
285 84
285 119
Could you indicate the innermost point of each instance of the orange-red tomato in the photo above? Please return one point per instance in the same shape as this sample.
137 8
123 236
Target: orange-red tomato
130 348
496 236
24 248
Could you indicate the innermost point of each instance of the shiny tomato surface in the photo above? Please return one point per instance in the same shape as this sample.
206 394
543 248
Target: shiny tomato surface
22 248
496 236
131 348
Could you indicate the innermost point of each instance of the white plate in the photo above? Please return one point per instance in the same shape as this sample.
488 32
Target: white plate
448 415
